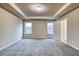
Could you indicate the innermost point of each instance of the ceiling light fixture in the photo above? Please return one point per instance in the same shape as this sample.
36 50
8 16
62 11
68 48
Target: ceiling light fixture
38 8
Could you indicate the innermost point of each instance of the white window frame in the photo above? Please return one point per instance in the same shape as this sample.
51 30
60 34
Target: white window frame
49 28
25 29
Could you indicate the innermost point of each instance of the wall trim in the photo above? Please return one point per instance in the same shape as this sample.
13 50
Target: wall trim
38 38
73 46
9 44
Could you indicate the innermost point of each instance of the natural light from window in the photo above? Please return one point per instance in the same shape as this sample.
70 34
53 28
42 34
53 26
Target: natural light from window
49 28
28 28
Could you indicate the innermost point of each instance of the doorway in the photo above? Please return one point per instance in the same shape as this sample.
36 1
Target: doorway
63 25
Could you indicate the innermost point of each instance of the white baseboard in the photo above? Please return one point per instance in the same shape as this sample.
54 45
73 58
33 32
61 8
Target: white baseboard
74 47
9 45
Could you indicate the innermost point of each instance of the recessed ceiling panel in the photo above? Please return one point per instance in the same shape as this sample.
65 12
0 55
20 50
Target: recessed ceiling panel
38 10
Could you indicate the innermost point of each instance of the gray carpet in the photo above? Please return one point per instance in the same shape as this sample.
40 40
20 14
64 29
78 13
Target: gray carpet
39 47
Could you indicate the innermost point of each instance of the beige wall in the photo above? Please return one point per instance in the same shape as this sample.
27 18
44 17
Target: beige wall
73 28
39 29
57 30
10 28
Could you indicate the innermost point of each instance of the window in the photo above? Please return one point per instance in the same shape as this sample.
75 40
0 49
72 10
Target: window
28 28
49 28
